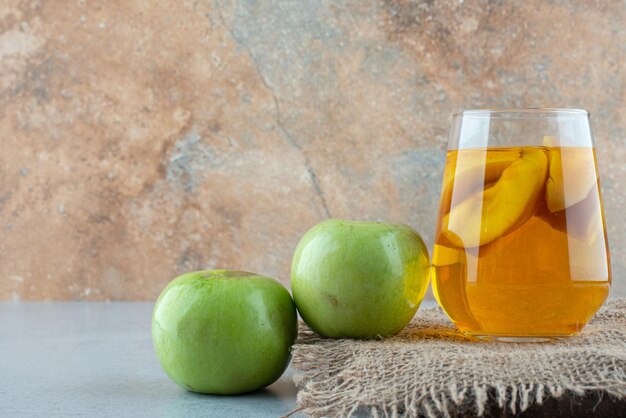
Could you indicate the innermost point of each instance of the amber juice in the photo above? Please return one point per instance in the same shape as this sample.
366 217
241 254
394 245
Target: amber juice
520 246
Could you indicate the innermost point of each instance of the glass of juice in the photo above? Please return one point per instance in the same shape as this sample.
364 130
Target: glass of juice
521 252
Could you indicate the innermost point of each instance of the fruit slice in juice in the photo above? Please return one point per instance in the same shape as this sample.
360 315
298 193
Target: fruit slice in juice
582 220
571 176
495 211
472 172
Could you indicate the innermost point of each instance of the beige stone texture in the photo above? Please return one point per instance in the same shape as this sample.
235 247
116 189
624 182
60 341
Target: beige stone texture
144 139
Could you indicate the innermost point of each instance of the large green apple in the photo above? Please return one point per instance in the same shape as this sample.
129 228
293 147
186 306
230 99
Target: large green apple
359 279
224 332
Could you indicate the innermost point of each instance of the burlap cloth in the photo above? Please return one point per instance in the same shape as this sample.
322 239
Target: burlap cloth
430 369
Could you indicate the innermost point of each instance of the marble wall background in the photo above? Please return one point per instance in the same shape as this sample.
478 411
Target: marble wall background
140 140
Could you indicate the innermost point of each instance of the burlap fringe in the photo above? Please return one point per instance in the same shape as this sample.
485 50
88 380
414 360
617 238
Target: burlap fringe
432 370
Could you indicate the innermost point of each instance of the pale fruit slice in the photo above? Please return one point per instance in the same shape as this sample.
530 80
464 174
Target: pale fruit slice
472 171
571 176
582 221
445 256
492 213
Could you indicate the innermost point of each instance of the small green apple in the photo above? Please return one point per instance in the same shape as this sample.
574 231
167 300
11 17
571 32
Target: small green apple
224 332
359 279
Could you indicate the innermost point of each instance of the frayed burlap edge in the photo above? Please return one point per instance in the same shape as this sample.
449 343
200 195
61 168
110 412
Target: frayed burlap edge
432 370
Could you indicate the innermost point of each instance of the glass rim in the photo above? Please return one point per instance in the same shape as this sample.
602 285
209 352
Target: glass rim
522 112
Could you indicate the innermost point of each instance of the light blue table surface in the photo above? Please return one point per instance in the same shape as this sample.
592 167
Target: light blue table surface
70 359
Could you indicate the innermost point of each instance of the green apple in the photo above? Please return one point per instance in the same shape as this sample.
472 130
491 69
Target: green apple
359 279
224 332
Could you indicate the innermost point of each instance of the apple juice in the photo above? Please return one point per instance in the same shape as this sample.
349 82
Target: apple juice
520 247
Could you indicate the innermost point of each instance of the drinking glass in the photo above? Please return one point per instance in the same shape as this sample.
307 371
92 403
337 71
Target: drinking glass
520 245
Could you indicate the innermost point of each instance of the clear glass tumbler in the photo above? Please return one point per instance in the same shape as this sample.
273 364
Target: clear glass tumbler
520 245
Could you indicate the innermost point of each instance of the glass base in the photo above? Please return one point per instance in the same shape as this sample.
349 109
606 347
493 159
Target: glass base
518 338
